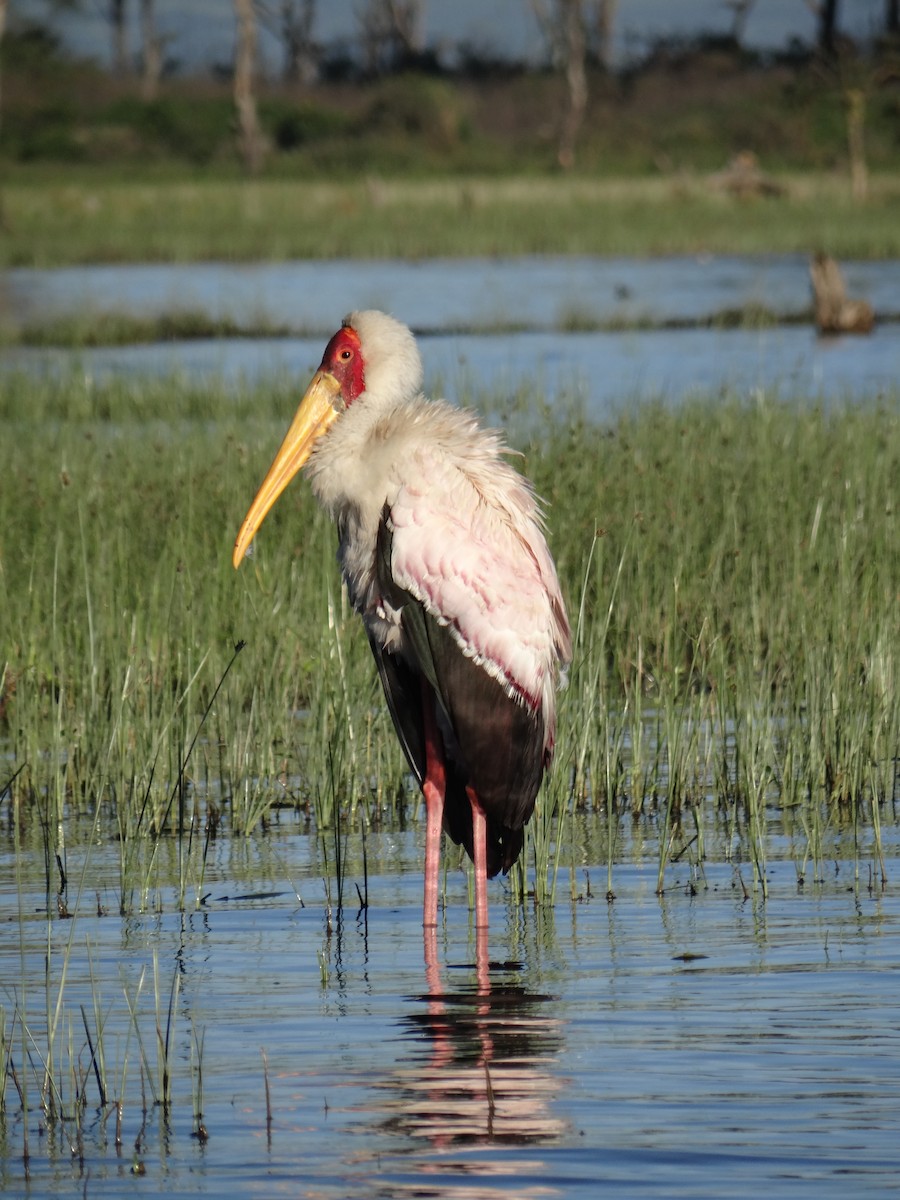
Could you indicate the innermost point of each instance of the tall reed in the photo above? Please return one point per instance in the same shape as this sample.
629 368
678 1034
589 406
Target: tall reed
732 570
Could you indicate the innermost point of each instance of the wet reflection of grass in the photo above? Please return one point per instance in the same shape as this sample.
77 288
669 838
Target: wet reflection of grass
732 571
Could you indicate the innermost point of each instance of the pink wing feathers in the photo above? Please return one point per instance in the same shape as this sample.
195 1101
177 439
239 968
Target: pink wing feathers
471 551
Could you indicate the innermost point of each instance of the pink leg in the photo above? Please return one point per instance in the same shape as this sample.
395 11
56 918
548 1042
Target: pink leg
433 789
479 848
482 967
441 1031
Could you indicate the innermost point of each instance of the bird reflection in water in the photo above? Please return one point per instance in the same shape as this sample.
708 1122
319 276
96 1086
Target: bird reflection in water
477 1075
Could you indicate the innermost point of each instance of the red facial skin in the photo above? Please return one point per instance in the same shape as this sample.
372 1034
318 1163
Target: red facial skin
343 359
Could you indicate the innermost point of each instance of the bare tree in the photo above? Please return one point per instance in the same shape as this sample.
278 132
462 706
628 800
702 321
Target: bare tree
407 19
393 30
151 51
598 18
575 65
565 28
119 32
300 58
741 11
292 22
250 136
855 80
826 14
2 25
855 99
604 17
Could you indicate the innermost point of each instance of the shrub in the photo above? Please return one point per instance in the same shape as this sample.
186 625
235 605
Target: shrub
291 126
180 126
417 106
46 132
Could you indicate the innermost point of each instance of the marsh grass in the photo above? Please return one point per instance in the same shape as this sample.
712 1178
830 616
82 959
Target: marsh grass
60 221
66 1070
732 569
92 327
86 329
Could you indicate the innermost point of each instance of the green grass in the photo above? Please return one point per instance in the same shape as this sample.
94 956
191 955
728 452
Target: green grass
121 329
86 329
732 568
68 1072
49 220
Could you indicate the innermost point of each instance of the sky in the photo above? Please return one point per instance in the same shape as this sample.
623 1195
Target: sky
201 32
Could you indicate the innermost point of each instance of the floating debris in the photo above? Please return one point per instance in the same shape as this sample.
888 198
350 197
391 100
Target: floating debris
744 178
835 312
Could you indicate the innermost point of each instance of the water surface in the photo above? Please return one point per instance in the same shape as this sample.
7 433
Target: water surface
491 325
608 371
697 1044
536 292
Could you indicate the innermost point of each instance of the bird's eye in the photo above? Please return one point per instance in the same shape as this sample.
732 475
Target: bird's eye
346 355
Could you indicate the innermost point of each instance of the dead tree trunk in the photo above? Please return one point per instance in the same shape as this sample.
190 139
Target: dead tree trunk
575 54
408 21
828 12
741 11
300 63
250 136
151 52
856 121
119 36
2 30
604 20
835 312
393 33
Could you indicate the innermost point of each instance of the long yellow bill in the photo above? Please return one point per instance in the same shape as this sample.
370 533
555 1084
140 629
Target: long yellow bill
318 408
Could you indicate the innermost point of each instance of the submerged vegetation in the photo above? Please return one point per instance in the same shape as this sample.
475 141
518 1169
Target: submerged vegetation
732 569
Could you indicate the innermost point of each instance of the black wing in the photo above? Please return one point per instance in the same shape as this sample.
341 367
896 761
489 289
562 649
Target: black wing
492 742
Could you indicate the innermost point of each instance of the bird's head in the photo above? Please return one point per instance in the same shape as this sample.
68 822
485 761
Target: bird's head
372 358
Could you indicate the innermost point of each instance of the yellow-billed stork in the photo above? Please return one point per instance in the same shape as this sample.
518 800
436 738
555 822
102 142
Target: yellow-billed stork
443 553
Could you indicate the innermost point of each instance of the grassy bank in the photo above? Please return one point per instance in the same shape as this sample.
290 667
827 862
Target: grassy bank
430 162
733 574
87 328
49 220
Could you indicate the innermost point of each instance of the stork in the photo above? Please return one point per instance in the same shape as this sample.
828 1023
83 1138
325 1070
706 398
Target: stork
442 550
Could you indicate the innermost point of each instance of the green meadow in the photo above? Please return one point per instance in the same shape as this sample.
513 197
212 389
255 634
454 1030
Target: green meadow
732 571
51 218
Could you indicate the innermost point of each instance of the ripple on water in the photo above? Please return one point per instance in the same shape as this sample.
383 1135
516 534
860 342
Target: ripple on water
690 1045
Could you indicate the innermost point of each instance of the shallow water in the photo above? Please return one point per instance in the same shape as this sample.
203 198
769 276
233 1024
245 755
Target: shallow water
609 370
698 1044
536 292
